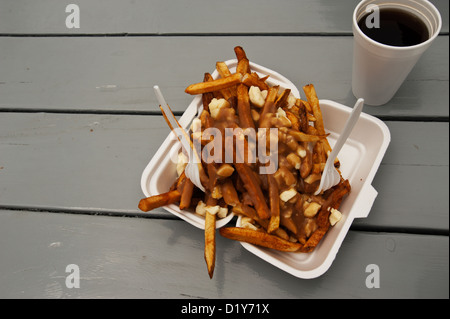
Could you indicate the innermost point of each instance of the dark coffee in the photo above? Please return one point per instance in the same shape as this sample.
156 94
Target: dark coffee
396 27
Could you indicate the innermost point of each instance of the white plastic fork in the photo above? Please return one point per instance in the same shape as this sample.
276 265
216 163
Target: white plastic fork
192 169
330 175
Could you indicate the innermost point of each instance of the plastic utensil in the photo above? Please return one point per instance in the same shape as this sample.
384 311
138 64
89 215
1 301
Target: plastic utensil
330 175
192 169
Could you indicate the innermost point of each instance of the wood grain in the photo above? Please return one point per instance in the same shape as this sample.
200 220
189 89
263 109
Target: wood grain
93 163
164 259
177 17
116 74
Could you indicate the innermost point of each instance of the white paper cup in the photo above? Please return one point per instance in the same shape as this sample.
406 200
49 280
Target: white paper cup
378 69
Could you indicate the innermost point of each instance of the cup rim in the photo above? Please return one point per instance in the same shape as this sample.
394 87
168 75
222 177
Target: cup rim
392 47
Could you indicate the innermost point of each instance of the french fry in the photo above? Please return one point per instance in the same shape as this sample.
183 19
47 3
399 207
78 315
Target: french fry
240 53
303 137
282 99
319 153
311 95
259 238
212 175
313 100
223 69
274 204
245 210
243 66
302 116
245 116
210 242
229 193
186 194
214 85
252 79
226 93
216 94
224 72
295 122
152 202
208 96
251 185
178 182
269 107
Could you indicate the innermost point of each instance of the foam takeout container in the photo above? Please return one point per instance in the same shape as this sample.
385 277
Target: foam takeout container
360 158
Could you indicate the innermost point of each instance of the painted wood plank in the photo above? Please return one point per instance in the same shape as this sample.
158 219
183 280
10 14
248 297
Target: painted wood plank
93 163
422 167
117 74
150 258
181 17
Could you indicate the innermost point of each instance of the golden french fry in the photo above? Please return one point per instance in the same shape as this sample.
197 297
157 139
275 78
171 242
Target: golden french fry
282 99
214 85
312 98
210 242
302 115
307 164
319 153
226 93
223 69
269 107
252 79
212 175
303 137
186 194
207 97
289 224
216 94
240 53
243 66
259 238
307 106
315 108
274 199
252 187
245 210
179 181
229 193
152 202
224 72
295 122
245 116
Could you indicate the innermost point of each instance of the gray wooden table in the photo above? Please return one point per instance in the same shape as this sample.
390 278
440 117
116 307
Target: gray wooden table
79 123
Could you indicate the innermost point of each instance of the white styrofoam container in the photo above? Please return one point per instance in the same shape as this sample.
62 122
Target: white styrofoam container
360 158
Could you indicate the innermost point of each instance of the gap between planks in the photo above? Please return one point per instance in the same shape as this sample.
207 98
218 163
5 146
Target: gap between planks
167 216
